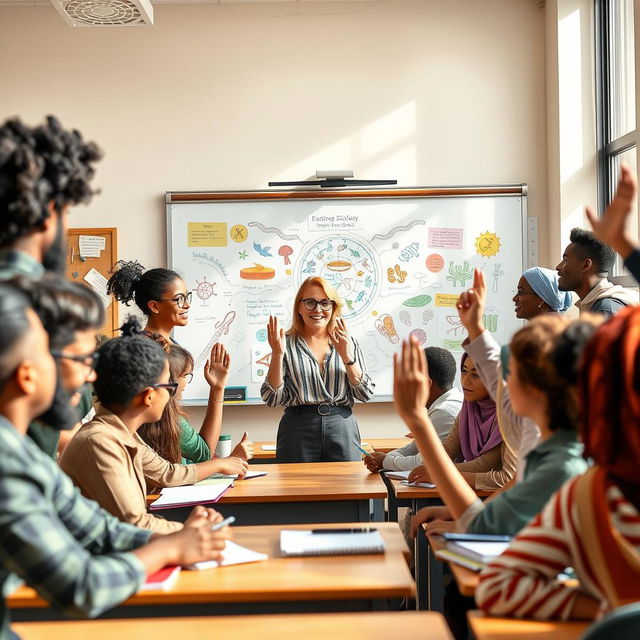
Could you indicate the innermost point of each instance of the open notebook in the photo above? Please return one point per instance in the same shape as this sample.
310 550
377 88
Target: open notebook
307 543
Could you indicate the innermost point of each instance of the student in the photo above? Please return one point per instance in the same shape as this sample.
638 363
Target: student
161 294
71 314
317 372
44 170
538 293
443 407
584 267
474 443
593 522
106 459
172 437
75 555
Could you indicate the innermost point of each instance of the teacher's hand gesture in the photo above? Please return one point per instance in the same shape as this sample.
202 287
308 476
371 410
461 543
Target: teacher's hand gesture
275 336
340 340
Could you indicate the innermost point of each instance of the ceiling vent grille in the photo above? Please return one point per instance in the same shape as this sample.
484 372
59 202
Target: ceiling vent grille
105 13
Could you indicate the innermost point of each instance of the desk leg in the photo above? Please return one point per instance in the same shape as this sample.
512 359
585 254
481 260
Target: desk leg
421 570
377 510
436 587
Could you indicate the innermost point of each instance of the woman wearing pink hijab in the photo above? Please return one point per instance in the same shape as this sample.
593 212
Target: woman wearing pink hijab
474 442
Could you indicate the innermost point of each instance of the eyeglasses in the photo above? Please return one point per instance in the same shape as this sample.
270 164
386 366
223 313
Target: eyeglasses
171 387
311 303
88 359
181 299
188 376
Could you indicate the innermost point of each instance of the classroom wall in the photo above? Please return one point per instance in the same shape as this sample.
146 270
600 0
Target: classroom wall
230 96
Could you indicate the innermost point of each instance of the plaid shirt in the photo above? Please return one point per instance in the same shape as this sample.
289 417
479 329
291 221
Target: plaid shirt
61 544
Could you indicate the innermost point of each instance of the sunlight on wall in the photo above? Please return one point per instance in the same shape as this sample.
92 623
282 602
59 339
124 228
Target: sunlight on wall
384 148
570 89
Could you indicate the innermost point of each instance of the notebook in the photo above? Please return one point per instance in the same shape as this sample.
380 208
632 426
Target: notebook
306 543
190 495
482 552
268 447
424 485
162 580
233 554
217 477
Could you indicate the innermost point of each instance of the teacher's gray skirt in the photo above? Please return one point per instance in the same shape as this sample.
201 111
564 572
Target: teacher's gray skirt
304 435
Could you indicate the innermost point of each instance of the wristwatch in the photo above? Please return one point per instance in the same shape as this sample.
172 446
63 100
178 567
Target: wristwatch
350 362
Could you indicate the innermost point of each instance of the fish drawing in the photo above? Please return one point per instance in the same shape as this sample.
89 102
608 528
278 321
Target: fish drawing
265 252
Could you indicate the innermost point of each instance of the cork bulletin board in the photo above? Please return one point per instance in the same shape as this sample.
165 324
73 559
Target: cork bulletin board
100 249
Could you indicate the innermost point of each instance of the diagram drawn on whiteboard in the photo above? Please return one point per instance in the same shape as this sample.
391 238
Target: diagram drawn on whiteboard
349 264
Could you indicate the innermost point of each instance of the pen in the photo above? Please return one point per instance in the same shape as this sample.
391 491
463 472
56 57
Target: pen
223 523
366 453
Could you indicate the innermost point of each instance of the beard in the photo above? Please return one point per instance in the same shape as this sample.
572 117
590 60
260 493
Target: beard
60 416
55 256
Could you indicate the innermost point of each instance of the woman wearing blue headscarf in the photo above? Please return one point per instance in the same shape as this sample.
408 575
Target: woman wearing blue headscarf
538 293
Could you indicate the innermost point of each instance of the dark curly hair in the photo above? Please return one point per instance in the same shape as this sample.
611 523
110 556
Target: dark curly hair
127 365
39 165
131 282
63 306
442 367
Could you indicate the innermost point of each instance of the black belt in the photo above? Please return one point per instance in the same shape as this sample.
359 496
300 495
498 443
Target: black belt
323 409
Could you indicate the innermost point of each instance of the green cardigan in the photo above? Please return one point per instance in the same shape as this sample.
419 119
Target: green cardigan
192 445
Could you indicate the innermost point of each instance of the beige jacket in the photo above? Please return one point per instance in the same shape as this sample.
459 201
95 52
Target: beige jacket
113 466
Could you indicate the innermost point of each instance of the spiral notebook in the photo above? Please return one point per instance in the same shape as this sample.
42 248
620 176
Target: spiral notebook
307 543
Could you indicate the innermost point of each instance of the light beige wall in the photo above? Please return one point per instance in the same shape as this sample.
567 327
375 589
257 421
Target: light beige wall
231 96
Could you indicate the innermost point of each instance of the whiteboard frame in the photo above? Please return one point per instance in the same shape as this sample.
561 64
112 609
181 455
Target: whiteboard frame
261 195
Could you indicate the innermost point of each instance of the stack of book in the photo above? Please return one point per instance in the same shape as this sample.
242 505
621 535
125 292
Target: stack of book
472 551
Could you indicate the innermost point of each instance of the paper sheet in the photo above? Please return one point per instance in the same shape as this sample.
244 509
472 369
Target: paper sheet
191 494
99 284
233 554
91 246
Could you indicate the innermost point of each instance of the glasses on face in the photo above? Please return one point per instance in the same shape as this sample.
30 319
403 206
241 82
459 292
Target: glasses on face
171 387
188 377
88 359
181 299
311 303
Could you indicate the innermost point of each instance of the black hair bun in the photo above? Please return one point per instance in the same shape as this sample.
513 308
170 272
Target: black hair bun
131 327
126 275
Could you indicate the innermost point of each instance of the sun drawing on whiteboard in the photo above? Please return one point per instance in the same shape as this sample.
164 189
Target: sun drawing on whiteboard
487 244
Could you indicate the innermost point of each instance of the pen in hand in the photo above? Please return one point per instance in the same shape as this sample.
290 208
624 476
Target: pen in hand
366 453
223 523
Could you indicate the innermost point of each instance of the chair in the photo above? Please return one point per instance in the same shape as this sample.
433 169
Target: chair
621 624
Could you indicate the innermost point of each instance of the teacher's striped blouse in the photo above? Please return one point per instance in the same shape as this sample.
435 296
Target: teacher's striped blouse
303 383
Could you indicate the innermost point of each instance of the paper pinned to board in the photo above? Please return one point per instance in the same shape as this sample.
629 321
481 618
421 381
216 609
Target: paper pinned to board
99 284
91 246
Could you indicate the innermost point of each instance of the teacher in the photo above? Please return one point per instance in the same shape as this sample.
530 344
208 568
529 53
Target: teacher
317 372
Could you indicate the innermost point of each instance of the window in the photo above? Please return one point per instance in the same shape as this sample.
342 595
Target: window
618 135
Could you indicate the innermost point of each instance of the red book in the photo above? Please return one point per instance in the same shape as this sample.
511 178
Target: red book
161 580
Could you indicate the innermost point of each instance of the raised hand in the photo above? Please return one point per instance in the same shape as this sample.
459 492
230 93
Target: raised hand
244 448
411 383
340 340
611 228
471 304
275 336
216 369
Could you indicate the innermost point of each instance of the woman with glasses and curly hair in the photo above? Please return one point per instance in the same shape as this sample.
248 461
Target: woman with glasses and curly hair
317 372
161 294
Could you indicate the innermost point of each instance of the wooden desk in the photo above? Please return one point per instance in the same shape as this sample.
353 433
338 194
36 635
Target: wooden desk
487 628
428 569
369 444
302 493
408 625
466 579
339 583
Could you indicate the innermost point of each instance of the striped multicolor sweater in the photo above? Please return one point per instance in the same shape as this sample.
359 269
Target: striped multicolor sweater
522 582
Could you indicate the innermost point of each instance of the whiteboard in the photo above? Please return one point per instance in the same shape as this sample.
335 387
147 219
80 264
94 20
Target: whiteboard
399 263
